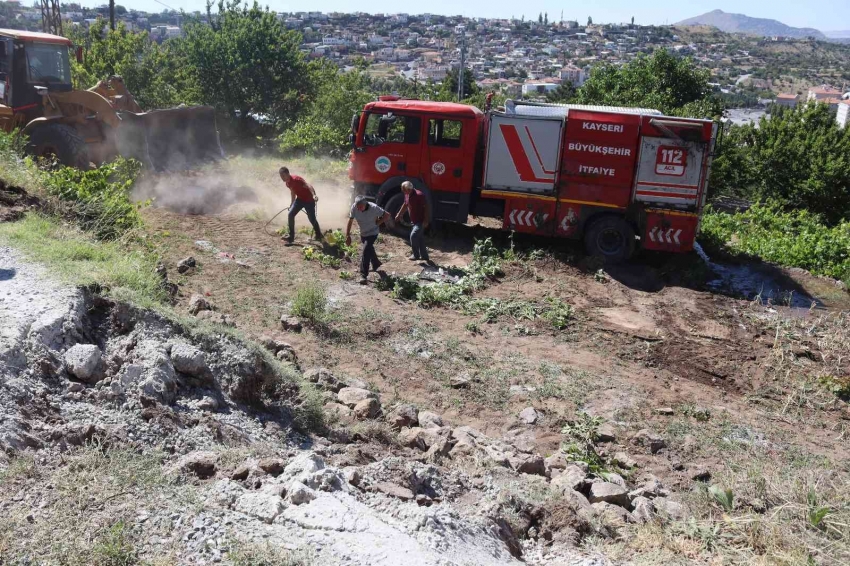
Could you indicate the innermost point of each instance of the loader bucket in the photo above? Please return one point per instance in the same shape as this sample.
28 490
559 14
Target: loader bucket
172 139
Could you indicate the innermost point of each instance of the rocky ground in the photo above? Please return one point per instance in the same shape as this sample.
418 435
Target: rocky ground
79 370
664 422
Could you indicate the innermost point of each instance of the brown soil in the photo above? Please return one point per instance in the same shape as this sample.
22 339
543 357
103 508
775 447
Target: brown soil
628 351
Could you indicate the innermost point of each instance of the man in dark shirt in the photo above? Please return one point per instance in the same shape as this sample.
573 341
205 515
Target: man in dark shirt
416 205
303 197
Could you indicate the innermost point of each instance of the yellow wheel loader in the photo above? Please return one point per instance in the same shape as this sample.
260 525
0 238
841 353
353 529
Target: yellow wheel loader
83 127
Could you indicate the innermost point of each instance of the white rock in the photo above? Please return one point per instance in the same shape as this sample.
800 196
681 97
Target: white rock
264 506
188 359
300 494
608 493
81 361
301 468
669 509
350 396
529 416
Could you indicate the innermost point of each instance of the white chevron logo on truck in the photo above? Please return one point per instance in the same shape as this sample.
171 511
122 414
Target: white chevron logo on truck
526 218
660 236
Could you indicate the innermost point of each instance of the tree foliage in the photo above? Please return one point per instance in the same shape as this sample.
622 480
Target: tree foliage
246 63
799 158
158 76
324 127
663 81
448 90
565 93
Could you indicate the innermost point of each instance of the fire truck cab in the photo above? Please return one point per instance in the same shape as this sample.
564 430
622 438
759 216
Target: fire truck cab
616 177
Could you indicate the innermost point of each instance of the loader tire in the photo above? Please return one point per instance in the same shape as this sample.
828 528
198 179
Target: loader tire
610 238
60 142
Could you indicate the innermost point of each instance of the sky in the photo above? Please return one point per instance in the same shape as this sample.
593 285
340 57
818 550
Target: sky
834 15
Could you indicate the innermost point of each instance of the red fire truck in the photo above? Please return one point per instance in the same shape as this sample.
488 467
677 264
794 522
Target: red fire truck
616 177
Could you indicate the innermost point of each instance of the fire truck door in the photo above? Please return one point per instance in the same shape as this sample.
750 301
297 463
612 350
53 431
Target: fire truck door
448 171
391 147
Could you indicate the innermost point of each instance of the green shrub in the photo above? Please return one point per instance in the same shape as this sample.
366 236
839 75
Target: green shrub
796 239
311 304
99 199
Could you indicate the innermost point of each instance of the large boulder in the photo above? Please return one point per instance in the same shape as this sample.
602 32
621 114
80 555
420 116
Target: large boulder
367 409
323 379
570 478
350 396
201 464
527 464
412 438
82 360
642 509
608 492
403 415
427 419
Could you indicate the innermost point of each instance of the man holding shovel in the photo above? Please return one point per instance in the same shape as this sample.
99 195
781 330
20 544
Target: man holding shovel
303 197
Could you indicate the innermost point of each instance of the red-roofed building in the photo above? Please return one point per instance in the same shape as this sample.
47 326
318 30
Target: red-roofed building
823 92
787 100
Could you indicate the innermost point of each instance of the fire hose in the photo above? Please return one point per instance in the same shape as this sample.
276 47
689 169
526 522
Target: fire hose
272 218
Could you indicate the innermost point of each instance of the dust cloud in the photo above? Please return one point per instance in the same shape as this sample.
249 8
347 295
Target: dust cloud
248 187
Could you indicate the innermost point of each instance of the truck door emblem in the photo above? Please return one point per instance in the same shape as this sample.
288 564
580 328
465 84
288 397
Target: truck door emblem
438 168
383 164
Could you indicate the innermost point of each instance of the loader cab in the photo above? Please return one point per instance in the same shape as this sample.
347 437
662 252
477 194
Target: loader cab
29 63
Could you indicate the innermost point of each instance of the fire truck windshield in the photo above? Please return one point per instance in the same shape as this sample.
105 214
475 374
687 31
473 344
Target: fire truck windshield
48 62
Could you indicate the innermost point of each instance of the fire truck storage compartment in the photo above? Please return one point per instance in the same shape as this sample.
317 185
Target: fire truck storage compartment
523 153
673 161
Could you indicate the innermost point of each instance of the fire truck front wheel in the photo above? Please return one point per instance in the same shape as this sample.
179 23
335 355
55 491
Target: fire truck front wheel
611 238
393 205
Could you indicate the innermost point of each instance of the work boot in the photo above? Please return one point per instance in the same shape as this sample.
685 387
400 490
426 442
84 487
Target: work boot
363 280
413 258
289 240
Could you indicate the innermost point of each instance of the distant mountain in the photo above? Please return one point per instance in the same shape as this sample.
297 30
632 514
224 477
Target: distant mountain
843 34
739 23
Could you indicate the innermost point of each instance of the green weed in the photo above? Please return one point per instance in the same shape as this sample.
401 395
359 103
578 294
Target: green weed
311 303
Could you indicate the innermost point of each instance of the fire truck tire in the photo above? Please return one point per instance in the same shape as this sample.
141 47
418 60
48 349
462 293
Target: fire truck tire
393 205
611 238
59 141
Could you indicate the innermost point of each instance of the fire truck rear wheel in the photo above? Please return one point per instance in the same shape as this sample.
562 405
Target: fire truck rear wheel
611 238
393 205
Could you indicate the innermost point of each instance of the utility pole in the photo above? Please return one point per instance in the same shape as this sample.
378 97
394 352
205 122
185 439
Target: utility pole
462 64
112 15
51 18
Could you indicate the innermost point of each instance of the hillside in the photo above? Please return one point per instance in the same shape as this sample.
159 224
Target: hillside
739 23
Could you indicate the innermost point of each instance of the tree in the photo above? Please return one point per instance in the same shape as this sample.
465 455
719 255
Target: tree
662 81
546 18
563 94
589 21
540 18
324 127
798 158
633 20
448 90
247 63
158 76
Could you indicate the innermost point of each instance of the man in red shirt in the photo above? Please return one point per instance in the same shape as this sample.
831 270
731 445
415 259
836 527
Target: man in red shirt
303 197
417 206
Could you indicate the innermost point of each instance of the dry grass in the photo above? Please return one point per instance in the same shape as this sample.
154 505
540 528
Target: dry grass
82 509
